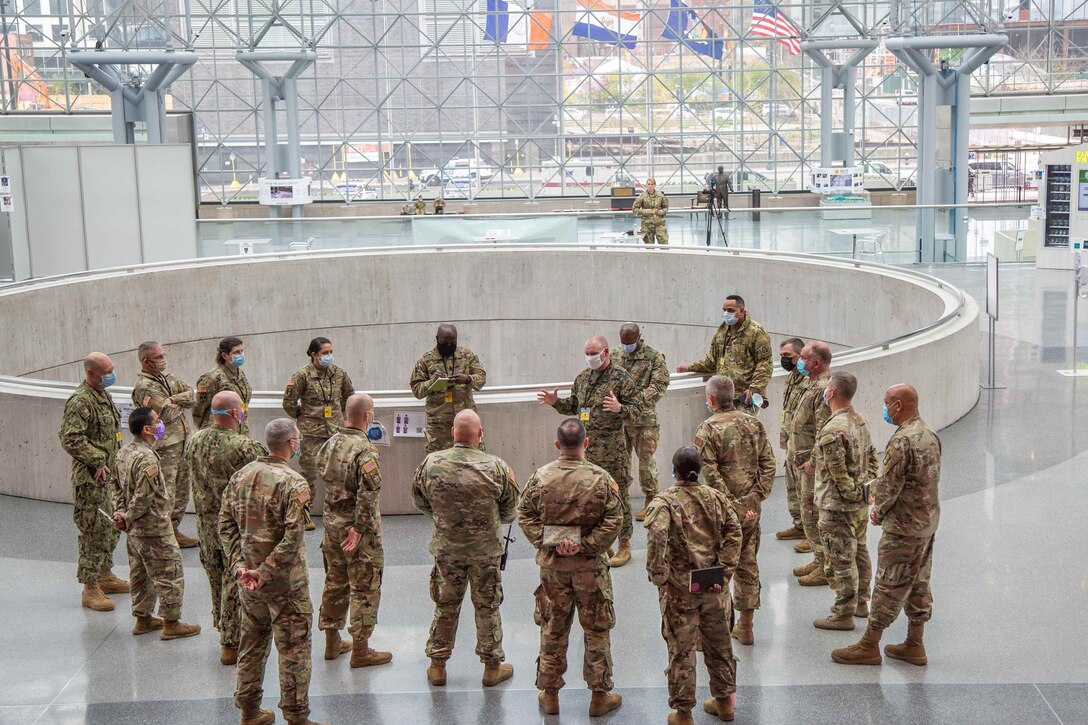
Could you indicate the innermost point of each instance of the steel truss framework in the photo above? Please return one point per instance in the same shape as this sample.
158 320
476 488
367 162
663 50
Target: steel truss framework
403 88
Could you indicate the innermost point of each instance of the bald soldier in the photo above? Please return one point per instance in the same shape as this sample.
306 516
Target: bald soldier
90 432
906 503
458 373
212 455
352 545
469 494
737 461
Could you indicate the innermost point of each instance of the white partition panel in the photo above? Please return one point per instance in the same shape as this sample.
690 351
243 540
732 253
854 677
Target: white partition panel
52 198
167 202
110 205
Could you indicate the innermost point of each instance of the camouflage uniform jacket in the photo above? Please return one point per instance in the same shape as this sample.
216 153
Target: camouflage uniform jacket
262 522
648 201
419 207
90 430
464 362
214 381
796 384
469 494
690 526
310 391
349 464
737 458
213 455
811 414
139 490
743 355
588 392
845 460
152 391
572 492
651 375
905 494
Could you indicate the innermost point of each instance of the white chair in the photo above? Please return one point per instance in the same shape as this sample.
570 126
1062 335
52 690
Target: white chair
874 245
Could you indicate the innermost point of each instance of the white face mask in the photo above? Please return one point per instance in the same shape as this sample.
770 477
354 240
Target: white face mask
594 362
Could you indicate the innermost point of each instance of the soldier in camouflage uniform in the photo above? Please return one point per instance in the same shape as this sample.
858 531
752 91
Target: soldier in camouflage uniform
737 461
439 204
226 375
352 545
90 432
315 397
605 398
906 503
446 361
651 206
261 525
692 526
469 494
651 375
808 418
168 396
572 492
212 456
142 506
790 351
741 351
845 460
419 207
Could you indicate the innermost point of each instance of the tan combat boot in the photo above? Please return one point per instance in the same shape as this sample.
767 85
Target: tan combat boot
680 717
602 703
228 656
436 673
110 584
912 650
334 646
722 709
866 651
177 629
791 533
257 716
307 721
310 526
840 622
623 555
861 611
800 571
802 547
184 542
641 515
363 656
147 624
549 701
814 578
93 598
495 675
742 630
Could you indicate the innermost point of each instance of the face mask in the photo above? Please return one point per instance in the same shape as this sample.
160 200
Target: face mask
238 360
827 399
375 431
801 366
294 453
109 379
787 363
888 416
594 362
628 348
729 317
160 431
447 349
160 365
327 360
708 408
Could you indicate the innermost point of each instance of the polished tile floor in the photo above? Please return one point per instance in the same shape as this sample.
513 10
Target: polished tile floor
1007 642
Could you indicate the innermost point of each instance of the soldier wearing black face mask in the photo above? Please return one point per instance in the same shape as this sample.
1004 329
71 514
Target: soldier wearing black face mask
796 383
446 377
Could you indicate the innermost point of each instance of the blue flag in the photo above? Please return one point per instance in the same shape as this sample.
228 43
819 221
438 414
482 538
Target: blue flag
685 26
497 25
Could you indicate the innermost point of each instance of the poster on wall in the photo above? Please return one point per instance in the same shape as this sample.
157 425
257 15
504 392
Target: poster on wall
5 184
7 203
1082 191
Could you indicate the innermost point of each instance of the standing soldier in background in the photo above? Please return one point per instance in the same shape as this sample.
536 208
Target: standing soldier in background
212 456
90 432
741 351
354 558
651 375
845 461
315 397
168 396
569 499
142 506
462 369
722 186
906 502
688 527
469 494
737 461
261 525
651 206
790 351
605 399
808 418
226 375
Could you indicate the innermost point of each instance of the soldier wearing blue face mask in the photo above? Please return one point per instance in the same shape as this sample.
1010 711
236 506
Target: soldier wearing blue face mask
226 375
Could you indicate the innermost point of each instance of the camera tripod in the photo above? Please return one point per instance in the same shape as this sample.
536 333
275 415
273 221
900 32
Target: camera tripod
712 213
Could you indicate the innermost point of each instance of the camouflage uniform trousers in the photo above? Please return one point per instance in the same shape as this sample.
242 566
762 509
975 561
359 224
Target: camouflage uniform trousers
439 434
687 619
449 579
846 558
611 454
793 494
559 594
654 227
176 474
287 619
746 586
226 597
352 581
810 515
97 537
155 571
643 441
307 462
903 567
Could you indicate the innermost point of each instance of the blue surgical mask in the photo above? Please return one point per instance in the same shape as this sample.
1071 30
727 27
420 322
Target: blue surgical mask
109 379
238 360
729 317
628 348
709 409
888 416
327 360
801 366
827 399
297 451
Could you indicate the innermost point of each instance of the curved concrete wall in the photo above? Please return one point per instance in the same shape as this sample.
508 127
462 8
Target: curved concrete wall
525 310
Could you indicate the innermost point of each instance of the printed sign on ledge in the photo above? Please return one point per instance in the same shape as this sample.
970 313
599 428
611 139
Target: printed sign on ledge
409 423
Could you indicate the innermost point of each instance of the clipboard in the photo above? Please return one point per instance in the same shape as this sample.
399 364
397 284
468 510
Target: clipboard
701 580
440 385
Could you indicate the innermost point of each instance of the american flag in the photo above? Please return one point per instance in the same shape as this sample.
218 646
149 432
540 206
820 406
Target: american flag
768 23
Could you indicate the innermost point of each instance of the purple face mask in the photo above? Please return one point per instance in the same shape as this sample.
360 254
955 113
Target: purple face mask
160 431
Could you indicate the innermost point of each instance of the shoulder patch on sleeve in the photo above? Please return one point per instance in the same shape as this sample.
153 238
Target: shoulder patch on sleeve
152 471
370 466
303 496
201 388
147 399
